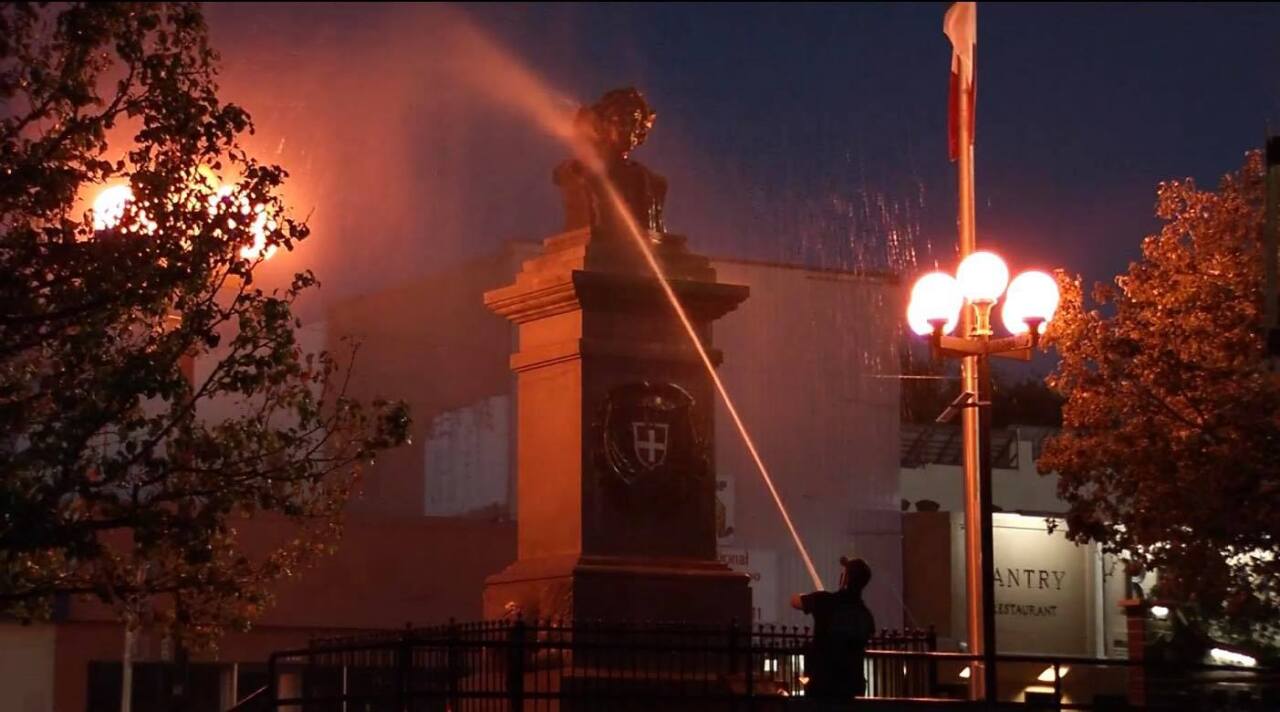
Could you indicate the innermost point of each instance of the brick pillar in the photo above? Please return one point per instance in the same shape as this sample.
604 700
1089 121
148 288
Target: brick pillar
1135 612
596 334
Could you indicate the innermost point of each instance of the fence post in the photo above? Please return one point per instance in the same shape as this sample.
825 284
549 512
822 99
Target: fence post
733 662
273 686
452 667
402 661
899 670
515 665
883 669
1135 612
733 646
1057 686
931 643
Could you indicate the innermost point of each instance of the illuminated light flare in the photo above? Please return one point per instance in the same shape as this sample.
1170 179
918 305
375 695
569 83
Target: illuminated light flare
982 277
263 222
1223 656
109 206
1047 675
935 296
111 203
1032 295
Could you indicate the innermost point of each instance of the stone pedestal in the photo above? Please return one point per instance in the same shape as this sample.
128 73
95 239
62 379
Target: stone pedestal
615 485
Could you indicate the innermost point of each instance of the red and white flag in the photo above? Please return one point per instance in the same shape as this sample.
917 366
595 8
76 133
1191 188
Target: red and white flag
961 26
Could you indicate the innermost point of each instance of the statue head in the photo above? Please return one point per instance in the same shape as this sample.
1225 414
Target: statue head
616 124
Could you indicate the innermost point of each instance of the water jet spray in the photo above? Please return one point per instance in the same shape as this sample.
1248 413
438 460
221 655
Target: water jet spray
522 90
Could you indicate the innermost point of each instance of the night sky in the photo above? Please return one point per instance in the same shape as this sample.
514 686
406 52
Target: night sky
809 133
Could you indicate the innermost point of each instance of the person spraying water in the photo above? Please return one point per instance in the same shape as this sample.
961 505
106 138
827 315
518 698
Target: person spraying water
842 625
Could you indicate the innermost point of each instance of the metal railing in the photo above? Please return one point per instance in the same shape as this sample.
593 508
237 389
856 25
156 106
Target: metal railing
534 665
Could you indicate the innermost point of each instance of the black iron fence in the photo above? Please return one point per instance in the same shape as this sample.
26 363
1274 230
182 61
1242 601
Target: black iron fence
544 665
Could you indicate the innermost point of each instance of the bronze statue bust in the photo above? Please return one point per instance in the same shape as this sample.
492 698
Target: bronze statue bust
610 130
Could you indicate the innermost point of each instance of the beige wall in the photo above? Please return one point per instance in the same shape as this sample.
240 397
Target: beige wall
432 343
386 572
1020 490
467 459
809 358
26 667
927 572
806 359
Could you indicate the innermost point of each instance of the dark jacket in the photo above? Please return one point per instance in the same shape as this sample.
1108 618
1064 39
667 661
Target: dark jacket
842 625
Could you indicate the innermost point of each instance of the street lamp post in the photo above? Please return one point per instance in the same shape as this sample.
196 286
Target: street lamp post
109 208
940 302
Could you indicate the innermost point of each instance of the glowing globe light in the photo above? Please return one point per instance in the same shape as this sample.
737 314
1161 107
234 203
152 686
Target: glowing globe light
206 178
108 207
935 296
1032 296
259 218
1223 656
982 277
261 224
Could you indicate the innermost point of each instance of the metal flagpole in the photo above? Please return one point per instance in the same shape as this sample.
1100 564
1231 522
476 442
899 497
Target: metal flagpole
975 424
1271 249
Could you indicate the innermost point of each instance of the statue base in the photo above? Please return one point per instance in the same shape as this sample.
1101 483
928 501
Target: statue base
615 437
623 589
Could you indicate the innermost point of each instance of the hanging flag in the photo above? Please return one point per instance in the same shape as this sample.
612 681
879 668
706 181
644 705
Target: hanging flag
961 26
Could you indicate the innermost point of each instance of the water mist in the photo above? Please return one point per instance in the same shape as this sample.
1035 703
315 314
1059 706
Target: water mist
503 79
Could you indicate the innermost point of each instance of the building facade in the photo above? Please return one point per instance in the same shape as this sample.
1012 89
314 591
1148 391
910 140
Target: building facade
388 571
809 358
1052 596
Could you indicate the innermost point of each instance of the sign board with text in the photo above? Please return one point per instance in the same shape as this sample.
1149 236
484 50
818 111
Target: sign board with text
1041 584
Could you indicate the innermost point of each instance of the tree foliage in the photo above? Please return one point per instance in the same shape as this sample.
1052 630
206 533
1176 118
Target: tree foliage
116 479
1170 452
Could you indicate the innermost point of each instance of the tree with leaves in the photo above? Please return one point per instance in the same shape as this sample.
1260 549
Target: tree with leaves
117 478
1170 452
